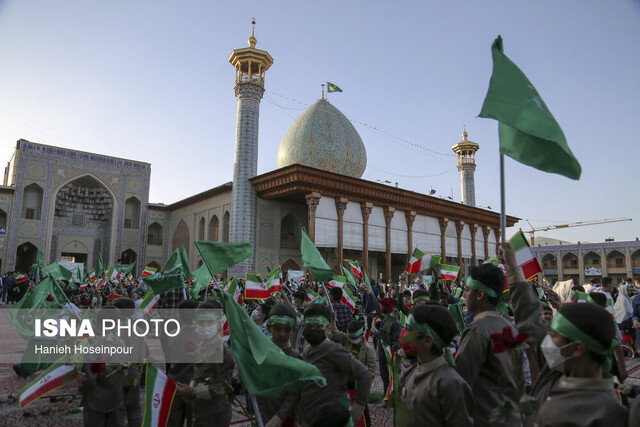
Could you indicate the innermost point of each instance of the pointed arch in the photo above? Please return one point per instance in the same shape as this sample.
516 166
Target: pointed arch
290 233
616 259
201 226
214 228
225 226
154 234
549 262
181 236
569 261
32 202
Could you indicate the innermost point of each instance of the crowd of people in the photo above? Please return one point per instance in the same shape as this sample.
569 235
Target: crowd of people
489 349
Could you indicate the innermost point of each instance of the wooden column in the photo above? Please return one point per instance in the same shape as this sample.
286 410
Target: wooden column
443 242
459 228
474 229
366 208
485 232
312 201
341 206
410 216
388 215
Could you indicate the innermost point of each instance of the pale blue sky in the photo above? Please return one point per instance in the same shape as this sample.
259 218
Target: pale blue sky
150 80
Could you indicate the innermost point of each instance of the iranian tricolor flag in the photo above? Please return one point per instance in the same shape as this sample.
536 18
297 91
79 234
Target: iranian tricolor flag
148 271
311 295
54 377
20 278
100 283
159 393
92 275
524 255
337 282
150 302
420 261
348 299
84 285
274 280
254 287
354 268
449 272
112 273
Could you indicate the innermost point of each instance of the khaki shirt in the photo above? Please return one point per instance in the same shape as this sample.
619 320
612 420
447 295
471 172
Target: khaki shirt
437 395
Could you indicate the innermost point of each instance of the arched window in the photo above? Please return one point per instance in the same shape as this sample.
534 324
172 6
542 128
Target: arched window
549 262
214 229
289 233
154 234
201 229
569 261
129 256
132 213
635 259
592 259
32 202
616 259
3 218
181 237
225 227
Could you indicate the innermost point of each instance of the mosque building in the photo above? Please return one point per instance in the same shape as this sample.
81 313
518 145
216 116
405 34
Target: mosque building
74 205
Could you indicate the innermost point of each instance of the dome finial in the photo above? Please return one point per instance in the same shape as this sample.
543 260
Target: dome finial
252 39
322 97
464 132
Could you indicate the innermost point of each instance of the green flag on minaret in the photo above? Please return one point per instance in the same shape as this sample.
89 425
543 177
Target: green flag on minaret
333 88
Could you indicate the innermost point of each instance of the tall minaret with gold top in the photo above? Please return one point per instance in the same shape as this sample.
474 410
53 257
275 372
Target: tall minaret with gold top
466 152
250 64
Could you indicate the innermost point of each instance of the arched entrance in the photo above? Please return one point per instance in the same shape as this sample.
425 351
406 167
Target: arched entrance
129 256
83 213
26 256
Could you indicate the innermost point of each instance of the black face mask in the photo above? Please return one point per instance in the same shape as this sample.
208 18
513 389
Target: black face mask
313 336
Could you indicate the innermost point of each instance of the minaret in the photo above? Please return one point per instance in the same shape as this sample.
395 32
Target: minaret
250 64
466 151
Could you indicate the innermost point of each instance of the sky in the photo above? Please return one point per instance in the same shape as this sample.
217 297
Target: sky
150 80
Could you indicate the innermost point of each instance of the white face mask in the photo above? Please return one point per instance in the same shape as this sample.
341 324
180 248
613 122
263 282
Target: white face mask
553 354
207 332
355 341
255 315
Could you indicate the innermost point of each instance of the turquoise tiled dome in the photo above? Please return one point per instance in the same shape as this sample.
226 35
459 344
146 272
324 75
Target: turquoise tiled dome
323 138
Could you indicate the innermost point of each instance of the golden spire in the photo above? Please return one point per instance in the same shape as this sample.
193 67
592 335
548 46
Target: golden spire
252 39
322 90
464 133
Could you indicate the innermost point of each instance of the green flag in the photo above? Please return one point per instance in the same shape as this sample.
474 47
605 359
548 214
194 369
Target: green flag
38 265
201 278
56 271
346 273
172 275
264 368
312 260
46 295
528 132
218 256
333 88
184 260
124 269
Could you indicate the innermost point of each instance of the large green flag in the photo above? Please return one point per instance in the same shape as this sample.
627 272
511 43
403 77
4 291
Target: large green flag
164 281
184 260
312 260
46 295
528 132
346 273
264 368
38 265
218 256
56 271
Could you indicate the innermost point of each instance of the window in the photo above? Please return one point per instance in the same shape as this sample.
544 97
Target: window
3 218
201 229
214 229
289 233
32 202
154 234
132 213
225 227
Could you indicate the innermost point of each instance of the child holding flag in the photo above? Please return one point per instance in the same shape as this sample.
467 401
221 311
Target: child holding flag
336 365
211 381
281 322
435 393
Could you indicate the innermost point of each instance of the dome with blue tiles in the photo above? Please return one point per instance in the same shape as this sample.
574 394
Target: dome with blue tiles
324 138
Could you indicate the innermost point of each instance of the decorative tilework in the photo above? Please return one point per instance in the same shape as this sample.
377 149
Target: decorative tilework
324 138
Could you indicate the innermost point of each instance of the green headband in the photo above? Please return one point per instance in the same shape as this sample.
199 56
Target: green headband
424 328
316 320
207 316
421 298
357 333
479 286
570 331
281 320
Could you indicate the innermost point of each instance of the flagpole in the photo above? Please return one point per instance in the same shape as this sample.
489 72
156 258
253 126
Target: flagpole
326 294
256 410
503 214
